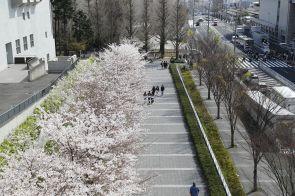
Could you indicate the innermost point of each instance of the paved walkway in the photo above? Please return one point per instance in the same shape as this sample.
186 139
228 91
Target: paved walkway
241 154
168 157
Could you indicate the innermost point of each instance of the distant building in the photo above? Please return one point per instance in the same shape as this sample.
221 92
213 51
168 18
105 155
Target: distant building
277 17
26 31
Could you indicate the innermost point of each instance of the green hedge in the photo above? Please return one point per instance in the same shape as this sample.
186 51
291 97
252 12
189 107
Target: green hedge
214 183
221 153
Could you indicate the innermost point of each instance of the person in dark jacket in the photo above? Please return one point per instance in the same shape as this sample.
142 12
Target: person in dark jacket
153 91
194 191
162 90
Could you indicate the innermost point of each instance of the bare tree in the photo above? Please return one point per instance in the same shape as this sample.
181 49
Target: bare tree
232 94
113 13
146 23
208 47
260 118
178 22
280 159
162 18
130 18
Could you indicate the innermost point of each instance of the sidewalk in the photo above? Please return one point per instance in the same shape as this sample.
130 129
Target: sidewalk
241 154
168 157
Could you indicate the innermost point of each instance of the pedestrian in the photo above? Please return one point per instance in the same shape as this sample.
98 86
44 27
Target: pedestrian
149 97
162 65
153 91
162 90
194 191
157 90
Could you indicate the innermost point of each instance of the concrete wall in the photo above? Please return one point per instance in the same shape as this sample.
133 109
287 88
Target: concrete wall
268 11
14 27
61 63
36 69
58 66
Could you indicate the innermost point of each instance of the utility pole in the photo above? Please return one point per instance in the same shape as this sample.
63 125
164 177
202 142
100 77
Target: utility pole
208 28
235 30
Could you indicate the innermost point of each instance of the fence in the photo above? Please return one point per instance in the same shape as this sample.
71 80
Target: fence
277 76
6 116
224 183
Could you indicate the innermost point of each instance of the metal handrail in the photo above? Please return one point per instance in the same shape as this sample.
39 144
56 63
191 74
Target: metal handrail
9 114
217 166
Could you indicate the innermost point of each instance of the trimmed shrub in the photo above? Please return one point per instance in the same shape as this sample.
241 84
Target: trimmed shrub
210 173
221 153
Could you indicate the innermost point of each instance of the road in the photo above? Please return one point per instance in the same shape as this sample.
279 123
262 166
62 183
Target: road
225 31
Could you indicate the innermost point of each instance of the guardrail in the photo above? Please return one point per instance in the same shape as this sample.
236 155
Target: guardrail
277 76
6 116
224 183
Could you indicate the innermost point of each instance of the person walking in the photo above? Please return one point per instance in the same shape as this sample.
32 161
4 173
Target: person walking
153 91
162 65
194 191
149 97
162 90
157 90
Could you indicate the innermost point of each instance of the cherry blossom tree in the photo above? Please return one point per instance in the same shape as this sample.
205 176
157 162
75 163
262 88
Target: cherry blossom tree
94 136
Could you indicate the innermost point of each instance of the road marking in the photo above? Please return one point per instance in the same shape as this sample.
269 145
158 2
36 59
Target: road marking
165 116
166 133
167 155
167 169
177 186
159 109
163 124
167 143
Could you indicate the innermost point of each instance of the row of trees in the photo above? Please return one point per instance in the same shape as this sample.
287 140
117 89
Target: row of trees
98 23
88 146
258 109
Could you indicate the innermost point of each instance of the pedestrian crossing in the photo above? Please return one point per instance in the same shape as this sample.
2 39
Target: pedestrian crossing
255 64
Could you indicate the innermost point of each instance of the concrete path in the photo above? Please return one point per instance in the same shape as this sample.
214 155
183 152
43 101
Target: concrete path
169 157
241 154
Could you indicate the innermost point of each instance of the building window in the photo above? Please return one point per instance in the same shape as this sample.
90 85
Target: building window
24 15
25 40
17 45
46 34
28 15
32 40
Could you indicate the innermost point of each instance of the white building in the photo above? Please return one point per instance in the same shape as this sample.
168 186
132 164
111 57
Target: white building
26 31
277 17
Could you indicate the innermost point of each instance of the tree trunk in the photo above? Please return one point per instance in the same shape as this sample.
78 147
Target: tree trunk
255 183
218 109
177 49
232 136
209 93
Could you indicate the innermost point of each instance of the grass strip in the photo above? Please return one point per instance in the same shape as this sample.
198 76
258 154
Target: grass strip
214 184
222 155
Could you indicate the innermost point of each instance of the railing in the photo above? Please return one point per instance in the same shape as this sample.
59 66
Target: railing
277 76
217 166
8 115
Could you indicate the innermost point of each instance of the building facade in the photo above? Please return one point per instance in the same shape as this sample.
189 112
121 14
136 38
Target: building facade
26 31
277 17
